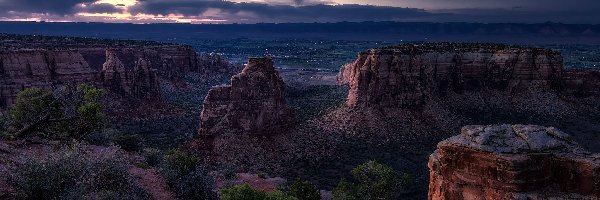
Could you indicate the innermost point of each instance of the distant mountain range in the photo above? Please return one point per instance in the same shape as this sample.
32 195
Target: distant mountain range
542 33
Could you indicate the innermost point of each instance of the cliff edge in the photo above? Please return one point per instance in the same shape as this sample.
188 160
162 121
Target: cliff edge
513 162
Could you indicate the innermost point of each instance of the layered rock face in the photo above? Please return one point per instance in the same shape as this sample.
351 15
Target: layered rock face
254 103
41 68
513 162
408 75
128 69
139 82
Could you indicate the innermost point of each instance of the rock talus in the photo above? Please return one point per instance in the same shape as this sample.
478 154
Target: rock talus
513 162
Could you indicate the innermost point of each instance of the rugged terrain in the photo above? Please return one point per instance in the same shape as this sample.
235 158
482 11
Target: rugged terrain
129 68
403 100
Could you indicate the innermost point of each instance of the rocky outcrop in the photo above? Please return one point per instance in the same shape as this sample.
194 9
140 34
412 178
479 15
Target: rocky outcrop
408 75
139 82
254 103
513 162
131 68
41 68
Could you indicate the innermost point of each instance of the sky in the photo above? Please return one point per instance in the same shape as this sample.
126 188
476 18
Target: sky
282 11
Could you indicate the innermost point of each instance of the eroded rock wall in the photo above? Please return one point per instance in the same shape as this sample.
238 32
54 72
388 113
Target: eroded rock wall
133 71
513 162
41 68
408 75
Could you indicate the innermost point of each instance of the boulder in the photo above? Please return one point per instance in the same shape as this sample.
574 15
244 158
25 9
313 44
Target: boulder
513 162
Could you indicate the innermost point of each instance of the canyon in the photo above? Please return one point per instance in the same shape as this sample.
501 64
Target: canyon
513 162
129 69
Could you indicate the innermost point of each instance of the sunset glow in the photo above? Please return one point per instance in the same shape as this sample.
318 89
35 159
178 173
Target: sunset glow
281 11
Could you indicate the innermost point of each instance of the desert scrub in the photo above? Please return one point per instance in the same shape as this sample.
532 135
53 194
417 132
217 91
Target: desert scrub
186 176
372 180
75 173
109 136
245 192
152 157
304 190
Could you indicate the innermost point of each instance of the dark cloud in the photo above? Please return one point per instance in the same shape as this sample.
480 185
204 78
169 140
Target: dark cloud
261 12
55 7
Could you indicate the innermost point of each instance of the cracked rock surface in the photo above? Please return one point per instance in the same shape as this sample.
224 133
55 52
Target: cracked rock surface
512 162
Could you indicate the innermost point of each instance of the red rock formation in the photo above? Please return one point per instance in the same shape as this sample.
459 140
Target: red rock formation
41 68
254 103
139 82
408 75
513 162
129 69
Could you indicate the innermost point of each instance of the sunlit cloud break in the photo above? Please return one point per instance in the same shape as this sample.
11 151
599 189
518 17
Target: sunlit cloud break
281 11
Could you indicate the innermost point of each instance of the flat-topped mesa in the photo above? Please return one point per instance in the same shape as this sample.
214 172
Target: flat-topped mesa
254 103
513 162
408 75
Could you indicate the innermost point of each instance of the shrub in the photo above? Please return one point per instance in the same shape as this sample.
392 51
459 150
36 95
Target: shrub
304 190
181 162
375 180
152 156
279 195
245 192
344 191
104 137
196 185
73 173
186 177
129 142
372 180
242 192
63 114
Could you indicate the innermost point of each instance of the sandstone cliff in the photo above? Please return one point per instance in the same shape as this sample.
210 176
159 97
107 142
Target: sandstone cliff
125 67
41 68
254 103
513 162
139 82
408 75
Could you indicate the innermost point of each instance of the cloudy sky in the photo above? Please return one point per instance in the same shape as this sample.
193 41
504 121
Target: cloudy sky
256 11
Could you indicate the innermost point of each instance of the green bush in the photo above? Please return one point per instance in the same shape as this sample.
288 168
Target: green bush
304 190
74 173
181 162
245 192
242 192
196 185
129 142
104 137
279 195
344 191
184 174
371 180
153 157
375 180
66 113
